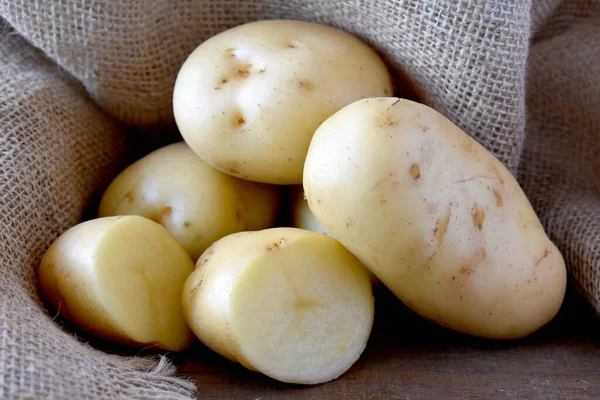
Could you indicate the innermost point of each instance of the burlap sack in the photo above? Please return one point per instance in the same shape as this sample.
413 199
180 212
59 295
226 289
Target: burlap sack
521 80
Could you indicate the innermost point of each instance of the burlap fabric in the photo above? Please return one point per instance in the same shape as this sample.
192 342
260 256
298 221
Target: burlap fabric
521 78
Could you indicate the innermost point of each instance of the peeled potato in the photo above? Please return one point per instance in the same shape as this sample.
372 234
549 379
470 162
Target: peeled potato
438 219
249 99
194 202
303 218
120 278
292 304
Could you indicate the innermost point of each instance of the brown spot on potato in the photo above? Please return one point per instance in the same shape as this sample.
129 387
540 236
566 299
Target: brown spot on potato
230 52
389 121
261 71
187 224
415 171
463 270
224 80
441 226
244 72
306 84
195 288
498 196
546 254
240 120
162 215
394 103
275 245
478 216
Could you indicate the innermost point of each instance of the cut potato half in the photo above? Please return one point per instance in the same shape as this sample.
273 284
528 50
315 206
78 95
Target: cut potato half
120 278
292 304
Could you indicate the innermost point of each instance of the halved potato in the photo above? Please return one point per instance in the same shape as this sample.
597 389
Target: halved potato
292 304
120 278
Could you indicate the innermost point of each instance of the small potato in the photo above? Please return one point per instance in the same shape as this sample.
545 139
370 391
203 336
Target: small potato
292 304
120 278
249 99
194 202
436 217
303 218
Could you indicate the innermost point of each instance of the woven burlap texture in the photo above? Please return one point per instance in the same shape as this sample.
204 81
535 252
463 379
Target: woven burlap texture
106 64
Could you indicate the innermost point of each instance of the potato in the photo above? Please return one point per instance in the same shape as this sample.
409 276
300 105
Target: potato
436 217
303 218
249 99
120 278
194 202
292 304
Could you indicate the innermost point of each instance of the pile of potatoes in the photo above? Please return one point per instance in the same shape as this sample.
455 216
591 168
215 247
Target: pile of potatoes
393 193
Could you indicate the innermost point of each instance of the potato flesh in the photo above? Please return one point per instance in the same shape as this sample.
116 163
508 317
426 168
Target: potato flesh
194 202
120 278
436 217
248 100
66 279
289 303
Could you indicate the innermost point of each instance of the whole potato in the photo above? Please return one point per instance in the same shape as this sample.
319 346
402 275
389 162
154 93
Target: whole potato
249 99
436 217
120 278
303 218
195 202
292 304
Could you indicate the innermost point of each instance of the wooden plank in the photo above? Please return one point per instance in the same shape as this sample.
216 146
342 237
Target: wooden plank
409 358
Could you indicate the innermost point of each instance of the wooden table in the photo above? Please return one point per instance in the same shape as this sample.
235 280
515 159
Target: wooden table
409 358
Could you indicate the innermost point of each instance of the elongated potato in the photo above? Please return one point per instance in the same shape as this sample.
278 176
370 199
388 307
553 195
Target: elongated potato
292 304
436 217
196 203
249 99
120 278
303 218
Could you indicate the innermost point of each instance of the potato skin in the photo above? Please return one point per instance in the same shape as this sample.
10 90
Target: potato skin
196 203
249 99
436 217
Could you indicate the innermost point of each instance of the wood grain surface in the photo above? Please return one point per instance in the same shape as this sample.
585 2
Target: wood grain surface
409 358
